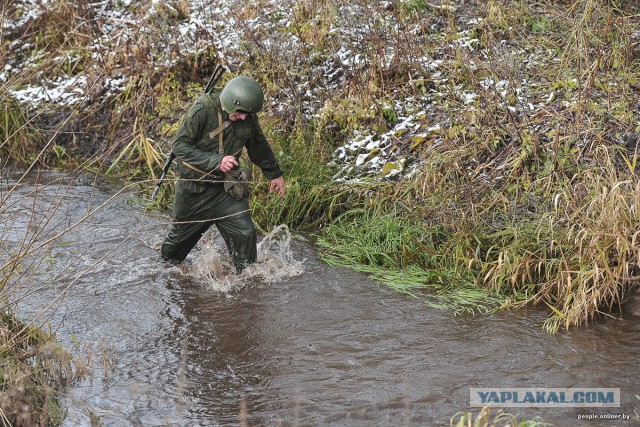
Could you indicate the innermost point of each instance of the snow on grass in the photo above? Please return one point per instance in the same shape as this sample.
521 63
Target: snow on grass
62 91
352 45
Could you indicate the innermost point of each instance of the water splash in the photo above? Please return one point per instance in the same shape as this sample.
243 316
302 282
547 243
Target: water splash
275 263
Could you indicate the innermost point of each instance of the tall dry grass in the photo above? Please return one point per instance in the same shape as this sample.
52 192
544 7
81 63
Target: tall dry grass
538 203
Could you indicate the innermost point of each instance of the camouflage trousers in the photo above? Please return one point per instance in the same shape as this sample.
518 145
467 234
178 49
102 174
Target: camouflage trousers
196 208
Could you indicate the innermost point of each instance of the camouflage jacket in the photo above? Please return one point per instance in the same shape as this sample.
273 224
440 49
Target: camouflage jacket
193 145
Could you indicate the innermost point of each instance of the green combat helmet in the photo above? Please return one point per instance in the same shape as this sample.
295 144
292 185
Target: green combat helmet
242 93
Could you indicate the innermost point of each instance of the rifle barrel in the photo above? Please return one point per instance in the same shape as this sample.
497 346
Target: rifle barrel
165 169
217 73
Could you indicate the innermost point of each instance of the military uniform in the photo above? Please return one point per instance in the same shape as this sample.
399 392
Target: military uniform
200 199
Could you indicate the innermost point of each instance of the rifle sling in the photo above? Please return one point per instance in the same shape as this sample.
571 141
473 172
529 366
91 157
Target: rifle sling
204 173
219 132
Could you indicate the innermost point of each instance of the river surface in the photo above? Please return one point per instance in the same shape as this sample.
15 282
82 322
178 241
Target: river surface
303 344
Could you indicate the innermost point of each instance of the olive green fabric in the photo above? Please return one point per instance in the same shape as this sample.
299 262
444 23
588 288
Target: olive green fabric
242 93
196 212
200 199
194 145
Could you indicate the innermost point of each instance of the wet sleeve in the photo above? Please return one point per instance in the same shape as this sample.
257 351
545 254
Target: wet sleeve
190 132
261 154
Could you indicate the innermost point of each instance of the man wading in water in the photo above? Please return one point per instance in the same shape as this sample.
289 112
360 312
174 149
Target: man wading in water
208 145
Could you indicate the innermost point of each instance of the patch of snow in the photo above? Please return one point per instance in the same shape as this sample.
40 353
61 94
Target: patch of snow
69 91
465 41
468 97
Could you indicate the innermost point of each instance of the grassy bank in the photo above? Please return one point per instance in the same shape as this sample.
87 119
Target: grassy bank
479 155
517 152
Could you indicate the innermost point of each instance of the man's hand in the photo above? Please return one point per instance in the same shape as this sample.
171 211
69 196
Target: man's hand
277 185
228 163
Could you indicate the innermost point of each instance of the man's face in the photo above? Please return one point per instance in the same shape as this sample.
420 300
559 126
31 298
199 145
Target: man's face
236 115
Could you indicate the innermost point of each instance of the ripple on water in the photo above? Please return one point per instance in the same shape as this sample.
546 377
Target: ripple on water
291 339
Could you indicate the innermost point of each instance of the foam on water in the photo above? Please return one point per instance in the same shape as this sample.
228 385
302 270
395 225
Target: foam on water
275 262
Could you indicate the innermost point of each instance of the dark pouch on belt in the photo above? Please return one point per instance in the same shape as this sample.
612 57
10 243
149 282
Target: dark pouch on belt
236 182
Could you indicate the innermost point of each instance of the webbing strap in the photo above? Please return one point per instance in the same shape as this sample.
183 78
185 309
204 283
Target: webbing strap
216 132
219 132
204 173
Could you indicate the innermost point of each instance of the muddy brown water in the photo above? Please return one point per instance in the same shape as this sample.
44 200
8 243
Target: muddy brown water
310 344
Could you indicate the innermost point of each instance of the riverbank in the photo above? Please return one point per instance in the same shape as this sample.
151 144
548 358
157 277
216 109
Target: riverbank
324 347
35 370
482 161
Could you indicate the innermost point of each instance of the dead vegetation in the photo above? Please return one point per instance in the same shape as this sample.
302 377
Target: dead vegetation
34 372
512 126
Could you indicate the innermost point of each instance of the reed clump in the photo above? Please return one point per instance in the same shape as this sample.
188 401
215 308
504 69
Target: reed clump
34 372
19 138
501 418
